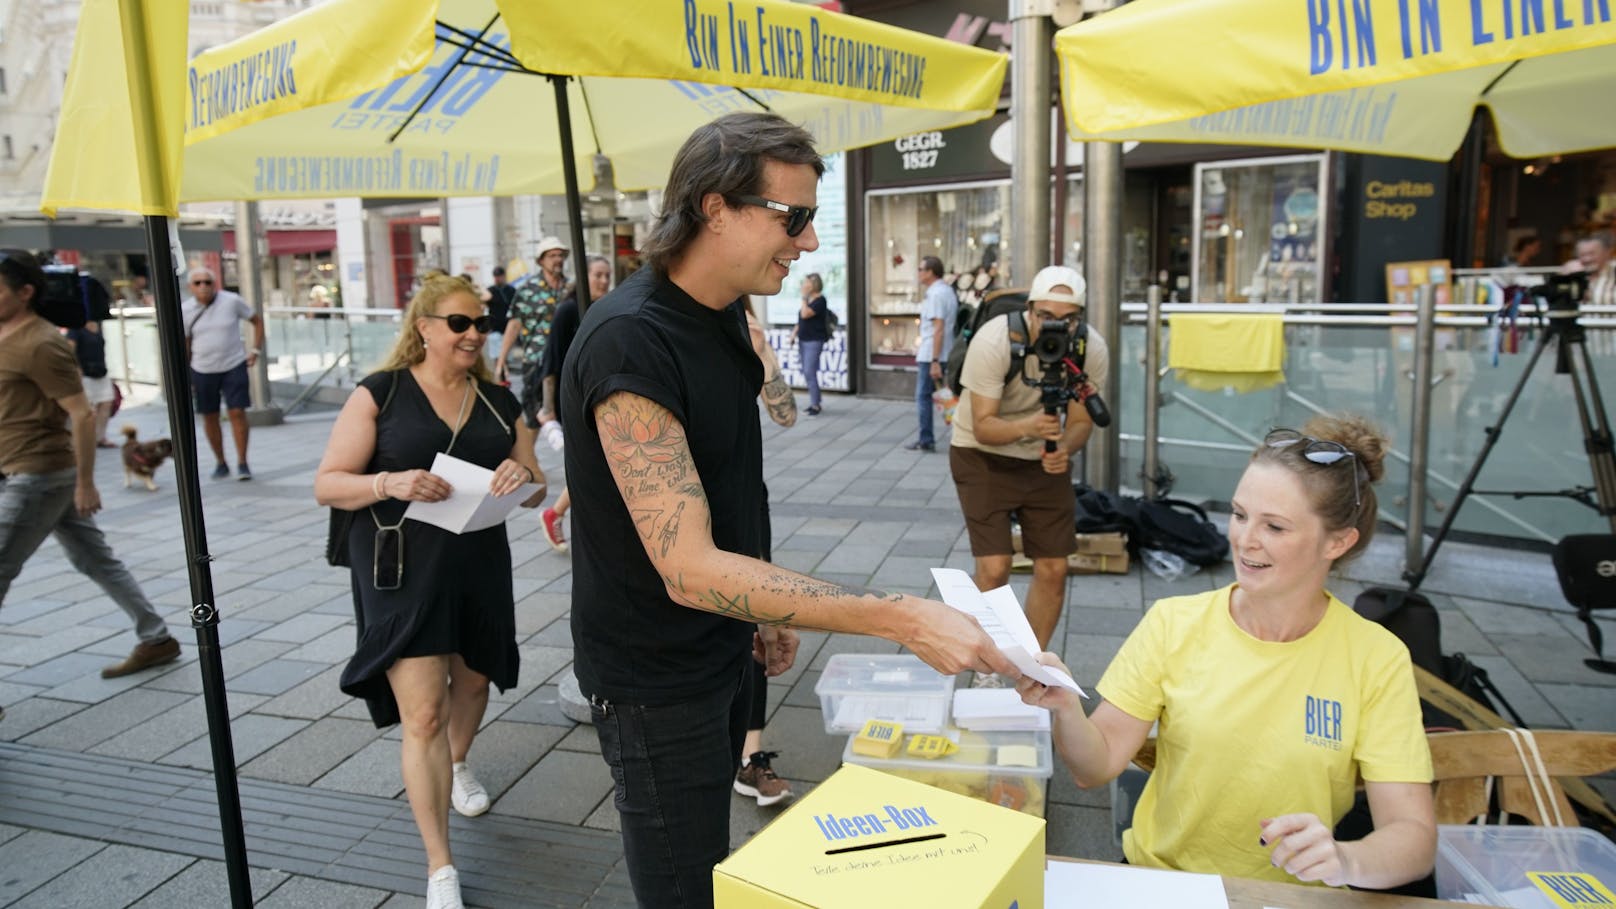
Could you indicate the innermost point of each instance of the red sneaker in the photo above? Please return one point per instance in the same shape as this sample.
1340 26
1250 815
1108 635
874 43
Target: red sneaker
552 530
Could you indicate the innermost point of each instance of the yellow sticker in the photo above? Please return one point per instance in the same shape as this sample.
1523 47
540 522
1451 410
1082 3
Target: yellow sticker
931 746
878 739
1569 889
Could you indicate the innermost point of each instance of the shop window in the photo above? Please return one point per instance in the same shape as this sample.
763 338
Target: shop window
964 225
1259 225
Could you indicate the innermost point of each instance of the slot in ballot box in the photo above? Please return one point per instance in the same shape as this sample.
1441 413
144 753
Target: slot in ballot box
866 838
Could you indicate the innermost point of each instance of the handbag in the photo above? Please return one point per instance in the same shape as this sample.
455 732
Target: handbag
336 540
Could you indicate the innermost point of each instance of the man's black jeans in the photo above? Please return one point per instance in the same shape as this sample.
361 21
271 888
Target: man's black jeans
673 767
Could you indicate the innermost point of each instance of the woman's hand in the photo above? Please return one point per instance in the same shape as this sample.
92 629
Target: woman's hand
1053 698
416 486
1305 849
510 475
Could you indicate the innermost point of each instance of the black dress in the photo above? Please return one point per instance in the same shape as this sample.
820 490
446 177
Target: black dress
456 592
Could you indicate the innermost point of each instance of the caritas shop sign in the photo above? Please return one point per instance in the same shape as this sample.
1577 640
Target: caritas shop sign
1395 210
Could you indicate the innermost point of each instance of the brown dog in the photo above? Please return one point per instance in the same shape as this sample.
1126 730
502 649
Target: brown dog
141 459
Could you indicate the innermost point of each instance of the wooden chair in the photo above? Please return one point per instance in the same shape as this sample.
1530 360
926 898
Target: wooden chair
1467 764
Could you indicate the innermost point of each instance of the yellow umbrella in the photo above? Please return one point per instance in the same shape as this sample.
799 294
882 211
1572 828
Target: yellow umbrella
126 79
430 98
1393 77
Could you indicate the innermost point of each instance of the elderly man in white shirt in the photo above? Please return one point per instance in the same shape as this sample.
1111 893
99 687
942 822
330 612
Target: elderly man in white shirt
219 363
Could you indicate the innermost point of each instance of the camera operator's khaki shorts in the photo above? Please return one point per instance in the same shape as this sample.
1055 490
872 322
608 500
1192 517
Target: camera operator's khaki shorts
991 486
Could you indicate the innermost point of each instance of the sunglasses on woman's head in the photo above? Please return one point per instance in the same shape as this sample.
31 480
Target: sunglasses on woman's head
798 217
1318 451
459 324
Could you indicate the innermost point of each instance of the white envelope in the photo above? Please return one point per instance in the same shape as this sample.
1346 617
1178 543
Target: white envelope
470 506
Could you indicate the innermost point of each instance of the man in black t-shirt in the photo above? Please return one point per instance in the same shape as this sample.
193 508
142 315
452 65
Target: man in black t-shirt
665 463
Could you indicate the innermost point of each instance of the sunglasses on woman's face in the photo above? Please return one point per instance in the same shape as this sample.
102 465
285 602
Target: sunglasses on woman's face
798 217
460 324
1318 451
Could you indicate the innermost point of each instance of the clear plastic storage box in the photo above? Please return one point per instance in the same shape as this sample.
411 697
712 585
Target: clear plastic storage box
1521 867
1011 769
896 687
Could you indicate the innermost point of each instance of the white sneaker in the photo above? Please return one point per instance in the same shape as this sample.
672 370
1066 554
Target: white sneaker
443 889
468 795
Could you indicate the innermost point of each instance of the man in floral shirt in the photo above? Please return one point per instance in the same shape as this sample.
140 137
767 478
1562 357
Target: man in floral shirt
532 312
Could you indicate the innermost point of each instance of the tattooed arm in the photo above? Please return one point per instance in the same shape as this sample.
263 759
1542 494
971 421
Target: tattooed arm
777 395
650 459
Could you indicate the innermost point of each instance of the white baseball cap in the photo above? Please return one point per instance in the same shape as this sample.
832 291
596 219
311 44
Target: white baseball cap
1045 282
549 243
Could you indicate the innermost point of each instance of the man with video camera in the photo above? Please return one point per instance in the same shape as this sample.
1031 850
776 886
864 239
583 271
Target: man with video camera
1021 376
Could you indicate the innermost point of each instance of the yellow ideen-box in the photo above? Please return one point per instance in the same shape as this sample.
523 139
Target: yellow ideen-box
866 838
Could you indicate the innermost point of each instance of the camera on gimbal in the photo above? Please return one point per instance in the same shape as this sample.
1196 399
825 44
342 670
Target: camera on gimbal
1060 351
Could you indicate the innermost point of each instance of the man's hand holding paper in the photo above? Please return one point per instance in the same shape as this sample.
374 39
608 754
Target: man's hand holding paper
1001 617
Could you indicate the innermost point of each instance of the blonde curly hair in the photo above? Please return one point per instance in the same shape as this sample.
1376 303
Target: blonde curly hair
409 349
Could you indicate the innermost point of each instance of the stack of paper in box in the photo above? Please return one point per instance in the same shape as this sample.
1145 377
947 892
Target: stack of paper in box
997 710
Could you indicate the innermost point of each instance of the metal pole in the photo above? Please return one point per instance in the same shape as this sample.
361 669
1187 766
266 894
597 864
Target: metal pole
1153 299
250 249
1033 36
204 612
182 429
123 346
1102 258
1420 432
575 205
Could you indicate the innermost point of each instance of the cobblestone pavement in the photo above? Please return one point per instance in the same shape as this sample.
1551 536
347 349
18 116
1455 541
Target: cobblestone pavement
105 794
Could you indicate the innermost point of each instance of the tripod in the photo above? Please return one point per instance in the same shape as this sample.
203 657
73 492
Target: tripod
1567 335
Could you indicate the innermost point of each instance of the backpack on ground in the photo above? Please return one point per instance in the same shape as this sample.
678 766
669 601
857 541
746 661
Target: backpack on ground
1412 617
1099 511
1181 528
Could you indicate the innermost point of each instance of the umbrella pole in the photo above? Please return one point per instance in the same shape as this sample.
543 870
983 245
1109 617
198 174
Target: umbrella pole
204 614
575 206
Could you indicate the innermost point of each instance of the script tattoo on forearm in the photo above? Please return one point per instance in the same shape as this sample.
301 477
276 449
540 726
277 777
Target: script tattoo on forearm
778 399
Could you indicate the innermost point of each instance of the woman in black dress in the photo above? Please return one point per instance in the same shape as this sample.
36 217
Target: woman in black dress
435 610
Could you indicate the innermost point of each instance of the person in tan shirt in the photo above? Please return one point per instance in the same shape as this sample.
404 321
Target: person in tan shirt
998 459
47 456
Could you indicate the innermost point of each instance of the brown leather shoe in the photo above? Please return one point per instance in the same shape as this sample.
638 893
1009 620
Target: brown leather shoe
145 655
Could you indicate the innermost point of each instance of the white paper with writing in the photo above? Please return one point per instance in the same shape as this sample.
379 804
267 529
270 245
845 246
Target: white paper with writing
470 506
1000 615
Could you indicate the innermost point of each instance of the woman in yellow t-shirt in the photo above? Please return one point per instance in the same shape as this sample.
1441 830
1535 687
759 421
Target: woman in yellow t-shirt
1272 697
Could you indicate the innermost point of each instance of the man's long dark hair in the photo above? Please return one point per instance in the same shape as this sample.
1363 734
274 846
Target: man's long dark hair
726 157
